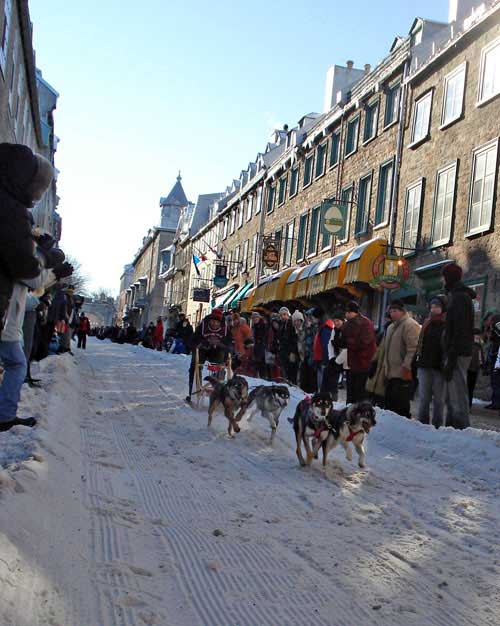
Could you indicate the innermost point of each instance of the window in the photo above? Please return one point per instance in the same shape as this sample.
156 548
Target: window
282 190
320 160
334 148
489 77
249 207
253 258
233 221
351 142
392 94
277 239
363 214
313 232
384 193
413 204
421 118
236 259
346 196
270 198
371 121
244 256
240 215
225 226
301 239
258 202
308 165
444 197
4 37
287 249
482 188
326 237
453 98
294 177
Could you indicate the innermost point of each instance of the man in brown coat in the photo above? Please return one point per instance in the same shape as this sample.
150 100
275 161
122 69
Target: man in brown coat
358 334
401 343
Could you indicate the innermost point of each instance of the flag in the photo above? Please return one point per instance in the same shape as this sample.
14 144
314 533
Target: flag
196 261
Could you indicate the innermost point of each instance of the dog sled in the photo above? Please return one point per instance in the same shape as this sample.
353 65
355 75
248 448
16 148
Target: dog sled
221 371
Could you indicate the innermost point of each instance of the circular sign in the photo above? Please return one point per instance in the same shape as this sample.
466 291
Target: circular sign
334 219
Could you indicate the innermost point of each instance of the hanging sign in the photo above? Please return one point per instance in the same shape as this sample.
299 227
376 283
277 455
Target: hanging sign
220 278
271 253
390 272
334 218
201 294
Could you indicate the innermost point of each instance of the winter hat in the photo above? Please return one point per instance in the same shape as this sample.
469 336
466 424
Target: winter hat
440 300
217 314
275 317
452 273
397 304
338 315
352 307
284 309
297 315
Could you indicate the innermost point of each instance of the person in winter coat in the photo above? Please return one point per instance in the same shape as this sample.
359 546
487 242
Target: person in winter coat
272 348
184 332
322 348
359 336
458 339
298 324
24 177
158 335
83 330
429 361
400 347
492 333
259 336
288 349
308 379
337 356
148 338
243 342
212 341
477 362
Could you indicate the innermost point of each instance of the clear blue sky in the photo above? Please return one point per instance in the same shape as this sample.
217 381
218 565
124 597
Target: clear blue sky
149 88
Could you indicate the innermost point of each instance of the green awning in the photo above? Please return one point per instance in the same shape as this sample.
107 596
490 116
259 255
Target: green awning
404 292
221 300
238 296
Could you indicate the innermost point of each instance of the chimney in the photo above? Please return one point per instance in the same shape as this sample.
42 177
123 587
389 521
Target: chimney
368 67
350 65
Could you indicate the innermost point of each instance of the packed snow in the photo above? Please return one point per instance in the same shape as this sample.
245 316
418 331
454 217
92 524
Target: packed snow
122 508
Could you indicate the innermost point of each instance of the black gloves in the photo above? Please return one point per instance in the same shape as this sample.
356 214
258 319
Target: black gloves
63 270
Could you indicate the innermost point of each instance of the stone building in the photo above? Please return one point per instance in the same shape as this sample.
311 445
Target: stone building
126 279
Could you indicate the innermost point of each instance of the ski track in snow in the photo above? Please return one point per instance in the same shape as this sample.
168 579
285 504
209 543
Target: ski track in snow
129 486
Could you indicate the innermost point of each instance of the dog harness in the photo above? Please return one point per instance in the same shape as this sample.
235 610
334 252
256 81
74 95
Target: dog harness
353 434
311 421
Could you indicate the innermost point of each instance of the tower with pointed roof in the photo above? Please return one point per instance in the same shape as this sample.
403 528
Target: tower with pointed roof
172 205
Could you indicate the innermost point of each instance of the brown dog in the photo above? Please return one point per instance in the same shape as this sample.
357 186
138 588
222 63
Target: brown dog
233 395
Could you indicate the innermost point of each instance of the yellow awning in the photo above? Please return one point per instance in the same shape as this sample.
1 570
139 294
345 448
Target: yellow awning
247 303
359 263
303 280
276 286
317 277
292 282
259 296
336 270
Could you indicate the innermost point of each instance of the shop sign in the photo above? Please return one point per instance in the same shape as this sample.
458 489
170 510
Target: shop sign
271 253
334 218
390 272
220 278
201 294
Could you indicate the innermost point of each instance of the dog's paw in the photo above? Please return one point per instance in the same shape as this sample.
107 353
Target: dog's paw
362 464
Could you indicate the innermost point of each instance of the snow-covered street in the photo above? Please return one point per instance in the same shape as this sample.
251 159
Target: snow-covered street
122 508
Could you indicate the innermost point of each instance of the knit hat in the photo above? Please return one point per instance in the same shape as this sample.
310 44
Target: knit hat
256 314
397 304
440 301
284 309
217 314
352 307
275 317
297 315
338 315
452 273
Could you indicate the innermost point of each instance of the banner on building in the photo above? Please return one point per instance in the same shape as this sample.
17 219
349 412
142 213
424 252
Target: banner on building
390 272
220 278
334 217
201 295
271 253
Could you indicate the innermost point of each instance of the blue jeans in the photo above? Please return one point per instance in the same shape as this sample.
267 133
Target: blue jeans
14 363
457 395
431 387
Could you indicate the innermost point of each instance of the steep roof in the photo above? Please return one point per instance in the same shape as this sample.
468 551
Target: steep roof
176 197
201 213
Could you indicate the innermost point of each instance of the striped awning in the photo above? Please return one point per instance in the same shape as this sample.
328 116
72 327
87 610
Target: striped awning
336 270
303 280
359 264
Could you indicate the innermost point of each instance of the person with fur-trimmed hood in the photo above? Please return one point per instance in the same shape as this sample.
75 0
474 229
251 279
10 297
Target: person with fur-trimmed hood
400 347
213 342
359 336
457 346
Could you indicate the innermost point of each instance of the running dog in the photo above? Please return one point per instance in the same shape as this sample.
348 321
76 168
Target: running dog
233 395
269 401
310 422
351 424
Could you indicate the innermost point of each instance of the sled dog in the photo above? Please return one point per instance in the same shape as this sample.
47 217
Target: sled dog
310 423
269 401
232 394
351 424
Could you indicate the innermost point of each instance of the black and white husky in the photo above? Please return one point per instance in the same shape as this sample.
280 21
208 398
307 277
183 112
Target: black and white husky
350 425
310 424
269 401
